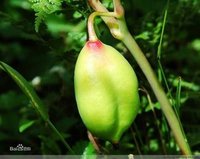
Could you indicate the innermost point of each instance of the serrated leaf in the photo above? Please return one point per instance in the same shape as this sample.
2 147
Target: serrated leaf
44 8
40 17
26 88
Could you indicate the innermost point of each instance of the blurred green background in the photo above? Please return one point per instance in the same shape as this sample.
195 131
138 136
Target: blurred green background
47 58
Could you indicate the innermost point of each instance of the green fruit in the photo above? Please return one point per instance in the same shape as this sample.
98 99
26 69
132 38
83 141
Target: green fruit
106 90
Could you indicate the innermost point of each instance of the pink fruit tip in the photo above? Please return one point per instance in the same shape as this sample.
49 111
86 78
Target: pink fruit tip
94 45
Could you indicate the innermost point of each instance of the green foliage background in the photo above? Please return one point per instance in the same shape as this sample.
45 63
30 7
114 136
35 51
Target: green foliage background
42 39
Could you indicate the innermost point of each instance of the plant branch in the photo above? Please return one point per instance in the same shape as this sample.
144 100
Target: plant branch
159 92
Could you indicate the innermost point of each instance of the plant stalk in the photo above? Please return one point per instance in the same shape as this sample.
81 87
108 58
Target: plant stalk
159 92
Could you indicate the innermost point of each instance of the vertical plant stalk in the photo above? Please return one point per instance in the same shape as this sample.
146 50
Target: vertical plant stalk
135 50
159 92
176 104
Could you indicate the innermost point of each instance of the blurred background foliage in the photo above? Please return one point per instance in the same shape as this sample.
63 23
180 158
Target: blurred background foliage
42 39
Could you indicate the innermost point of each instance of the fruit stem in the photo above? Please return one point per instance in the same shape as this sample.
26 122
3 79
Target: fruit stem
91 31
94 142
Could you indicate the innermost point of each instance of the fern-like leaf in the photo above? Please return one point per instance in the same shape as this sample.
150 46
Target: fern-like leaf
40 17
44 8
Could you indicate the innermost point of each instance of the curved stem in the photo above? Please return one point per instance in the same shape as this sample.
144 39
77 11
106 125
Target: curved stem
91 31
159 92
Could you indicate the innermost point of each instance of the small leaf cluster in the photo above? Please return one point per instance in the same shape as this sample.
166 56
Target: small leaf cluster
44 8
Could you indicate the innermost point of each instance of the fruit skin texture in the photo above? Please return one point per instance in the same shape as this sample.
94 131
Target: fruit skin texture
106 90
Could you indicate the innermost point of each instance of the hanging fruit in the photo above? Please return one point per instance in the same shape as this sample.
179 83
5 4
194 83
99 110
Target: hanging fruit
106 90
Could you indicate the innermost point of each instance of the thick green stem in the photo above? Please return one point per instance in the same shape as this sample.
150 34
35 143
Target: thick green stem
158 90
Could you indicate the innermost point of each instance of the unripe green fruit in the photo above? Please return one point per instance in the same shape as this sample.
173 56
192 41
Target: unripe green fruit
106 90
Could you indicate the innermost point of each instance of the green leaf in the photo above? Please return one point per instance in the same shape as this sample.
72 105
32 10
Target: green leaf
27 89
77 15
35 100
89 152
144 35
44 8
25 125
185 84
178 95
40 17
154 146
196 44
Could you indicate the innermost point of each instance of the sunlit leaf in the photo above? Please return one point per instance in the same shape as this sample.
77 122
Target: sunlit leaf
89 152
26 88
25 125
